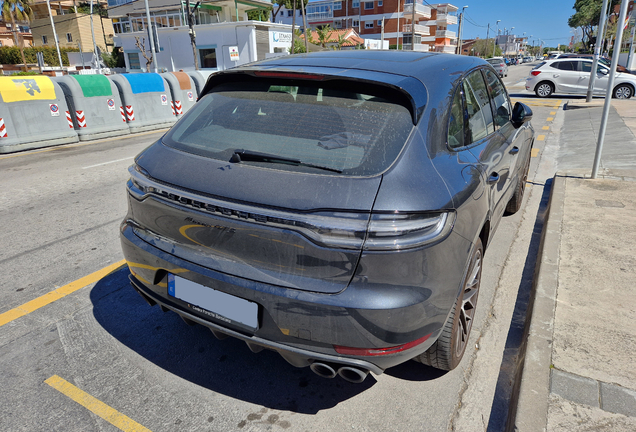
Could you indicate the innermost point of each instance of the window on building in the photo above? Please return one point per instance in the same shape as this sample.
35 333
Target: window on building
337 5
379 2
368 5
69 37
355 23
290 13
356 3
379 23
45 40
368 24
208 58
133 61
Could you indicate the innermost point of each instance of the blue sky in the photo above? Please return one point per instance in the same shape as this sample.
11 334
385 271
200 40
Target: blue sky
543 19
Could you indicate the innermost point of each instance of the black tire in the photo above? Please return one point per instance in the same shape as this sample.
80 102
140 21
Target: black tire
447 351
514 204
623 91
544 89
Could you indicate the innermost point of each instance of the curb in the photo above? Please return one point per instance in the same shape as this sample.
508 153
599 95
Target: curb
534 379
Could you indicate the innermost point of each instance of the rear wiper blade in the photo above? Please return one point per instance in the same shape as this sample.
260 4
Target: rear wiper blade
252 156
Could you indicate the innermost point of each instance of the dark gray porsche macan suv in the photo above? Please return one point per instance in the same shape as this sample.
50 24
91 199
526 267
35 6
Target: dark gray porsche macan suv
334 207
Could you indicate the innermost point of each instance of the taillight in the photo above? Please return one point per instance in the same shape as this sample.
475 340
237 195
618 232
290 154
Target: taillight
390 231
502 64
289 75
535 73
379 351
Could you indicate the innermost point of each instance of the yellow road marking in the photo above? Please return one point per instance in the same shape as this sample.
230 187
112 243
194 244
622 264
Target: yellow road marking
80 144
541 138
535 152
546 128
550 118
96 406
553 113
57 294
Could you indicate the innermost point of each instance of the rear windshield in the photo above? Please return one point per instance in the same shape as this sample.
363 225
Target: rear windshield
495 61
354 131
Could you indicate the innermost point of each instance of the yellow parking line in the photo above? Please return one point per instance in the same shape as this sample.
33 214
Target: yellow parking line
553 113
546 128
57 294
540 137
535 152
550 118
96 406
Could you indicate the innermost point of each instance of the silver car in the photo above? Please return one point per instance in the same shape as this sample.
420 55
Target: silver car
572 76
500 66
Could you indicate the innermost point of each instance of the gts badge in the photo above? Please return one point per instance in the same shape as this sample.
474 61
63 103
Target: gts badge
218 227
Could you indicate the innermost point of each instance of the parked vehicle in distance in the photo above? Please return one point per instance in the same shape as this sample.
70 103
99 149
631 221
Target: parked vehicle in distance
603 60
499 65
571 76
527 59
324 207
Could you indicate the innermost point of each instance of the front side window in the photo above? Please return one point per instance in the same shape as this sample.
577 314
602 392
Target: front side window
341 126
499 97
480 121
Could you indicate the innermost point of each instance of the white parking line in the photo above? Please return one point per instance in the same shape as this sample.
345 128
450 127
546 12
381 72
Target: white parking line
109 162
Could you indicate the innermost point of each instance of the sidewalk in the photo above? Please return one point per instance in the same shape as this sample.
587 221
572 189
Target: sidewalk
579 370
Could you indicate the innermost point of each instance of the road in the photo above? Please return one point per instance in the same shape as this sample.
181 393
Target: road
94 346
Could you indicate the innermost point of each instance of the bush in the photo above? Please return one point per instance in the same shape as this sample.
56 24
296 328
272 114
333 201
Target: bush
11 55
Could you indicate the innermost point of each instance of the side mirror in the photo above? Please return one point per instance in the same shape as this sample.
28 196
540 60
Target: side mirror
603 71
521 113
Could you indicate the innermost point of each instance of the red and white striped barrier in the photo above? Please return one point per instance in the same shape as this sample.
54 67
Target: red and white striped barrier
172 108
130 113
81 119
3 129
123 116
178 107
69 119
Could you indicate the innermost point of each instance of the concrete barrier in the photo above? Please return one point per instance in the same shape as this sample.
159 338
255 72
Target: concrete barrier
183 91
93 101
199 80
146 101
33 114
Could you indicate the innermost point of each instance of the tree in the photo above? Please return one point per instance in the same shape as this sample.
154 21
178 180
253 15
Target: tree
586 17
483 48
324 34
17 10
341 41
259 14
278 5
142 47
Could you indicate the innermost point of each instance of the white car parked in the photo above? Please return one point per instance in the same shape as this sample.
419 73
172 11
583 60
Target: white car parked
572 76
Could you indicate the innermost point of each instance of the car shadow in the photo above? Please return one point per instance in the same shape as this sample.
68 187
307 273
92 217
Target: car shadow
228 366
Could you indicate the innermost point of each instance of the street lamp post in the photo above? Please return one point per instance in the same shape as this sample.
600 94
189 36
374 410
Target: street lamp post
459 35
496 36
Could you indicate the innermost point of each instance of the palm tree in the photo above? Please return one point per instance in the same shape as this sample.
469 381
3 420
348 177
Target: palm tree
323 35
17 10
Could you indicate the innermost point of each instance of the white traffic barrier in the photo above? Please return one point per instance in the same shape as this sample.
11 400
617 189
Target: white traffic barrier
145 101
93 102
199 80
32 114
183 91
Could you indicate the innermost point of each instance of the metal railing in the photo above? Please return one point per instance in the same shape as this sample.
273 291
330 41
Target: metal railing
319 16
418 47
419 29
449 19
420 10
445 34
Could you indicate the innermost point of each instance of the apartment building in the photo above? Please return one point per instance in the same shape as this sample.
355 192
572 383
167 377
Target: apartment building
393 18
8 33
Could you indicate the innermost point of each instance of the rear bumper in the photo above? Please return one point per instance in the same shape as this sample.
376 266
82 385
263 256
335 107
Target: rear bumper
303 326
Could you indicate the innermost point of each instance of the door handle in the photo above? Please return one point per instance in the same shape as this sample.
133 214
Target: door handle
514 150
494 178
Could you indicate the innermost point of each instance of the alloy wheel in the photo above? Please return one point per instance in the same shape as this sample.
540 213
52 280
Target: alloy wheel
623 92
544 90
468 304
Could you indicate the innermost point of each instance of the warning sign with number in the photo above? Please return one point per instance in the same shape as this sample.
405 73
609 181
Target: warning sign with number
55 110
234 53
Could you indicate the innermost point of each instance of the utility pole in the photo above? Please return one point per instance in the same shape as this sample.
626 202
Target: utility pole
193 35
597 50
151 36
293 47
487 34
57 44
98 63
459 34
302 9
610 90
413 27
631 46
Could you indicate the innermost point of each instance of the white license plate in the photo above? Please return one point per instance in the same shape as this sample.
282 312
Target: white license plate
217 304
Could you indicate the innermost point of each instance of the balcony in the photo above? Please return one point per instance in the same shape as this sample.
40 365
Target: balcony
420 10
419 29
319 16
418 47
449 49
446 19
447 34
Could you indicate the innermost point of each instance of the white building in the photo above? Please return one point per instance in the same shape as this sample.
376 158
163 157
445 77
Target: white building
221 27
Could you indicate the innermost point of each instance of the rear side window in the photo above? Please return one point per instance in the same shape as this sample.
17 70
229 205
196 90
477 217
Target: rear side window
567 65
456 122
336 126
480 121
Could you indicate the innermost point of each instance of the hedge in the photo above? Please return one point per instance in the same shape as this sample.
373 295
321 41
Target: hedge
11 55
